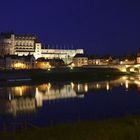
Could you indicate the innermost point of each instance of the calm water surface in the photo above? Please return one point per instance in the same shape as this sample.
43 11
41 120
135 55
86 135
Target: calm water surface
52 103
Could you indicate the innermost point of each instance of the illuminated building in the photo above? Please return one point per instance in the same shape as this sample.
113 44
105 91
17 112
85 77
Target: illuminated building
80 60
18 62
102 61
43 63
20 45
94 62
127 62
138 58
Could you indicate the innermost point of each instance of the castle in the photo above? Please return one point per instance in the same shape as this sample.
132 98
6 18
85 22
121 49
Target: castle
23 45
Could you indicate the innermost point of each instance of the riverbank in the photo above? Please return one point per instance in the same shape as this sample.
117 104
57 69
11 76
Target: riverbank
62 73
76 74
127 128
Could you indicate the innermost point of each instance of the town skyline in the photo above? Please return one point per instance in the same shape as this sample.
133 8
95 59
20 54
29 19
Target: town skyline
71 46
97 26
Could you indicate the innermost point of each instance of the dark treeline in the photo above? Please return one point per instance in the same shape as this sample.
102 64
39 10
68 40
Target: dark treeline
130 56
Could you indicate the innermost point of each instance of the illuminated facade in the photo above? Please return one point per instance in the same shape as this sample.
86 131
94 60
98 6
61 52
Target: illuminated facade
20 45
80 60
103 61
43 63
138 58
19 62
127 62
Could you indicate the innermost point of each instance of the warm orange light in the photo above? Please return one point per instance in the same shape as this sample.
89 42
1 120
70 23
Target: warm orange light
43 65
86 87
72 85
126 84
20 90
107 86
19 65
45 87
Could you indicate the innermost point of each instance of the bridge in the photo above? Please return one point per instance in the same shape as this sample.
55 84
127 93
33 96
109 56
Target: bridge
133 68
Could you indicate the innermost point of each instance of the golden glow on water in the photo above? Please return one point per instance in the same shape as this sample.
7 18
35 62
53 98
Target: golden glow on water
97 85
78 87
19 90
39 98
126 84
107 86
10 96
86 87
52 91
49 88
44 87
72 85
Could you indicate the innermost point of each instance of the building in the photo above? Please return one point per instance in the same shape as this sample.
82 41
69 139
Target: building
13 44
66 55
103 61
20 45
127 61
94 62
138 58
80 60
43 63
17 62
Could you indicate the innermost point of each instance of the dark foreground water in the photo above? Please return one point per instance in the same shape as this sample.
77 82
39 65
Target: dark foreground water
52 103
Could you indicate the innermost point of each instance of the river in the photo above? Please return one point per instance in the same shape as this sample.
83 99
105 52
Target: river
53 103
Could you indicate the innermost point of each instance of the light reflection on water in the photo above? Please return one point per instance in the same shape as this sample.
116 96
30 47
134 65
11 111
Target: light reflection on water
28 99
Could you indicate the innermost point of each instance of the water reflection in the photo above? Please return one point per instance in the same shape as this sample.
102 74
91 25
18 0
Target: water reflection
20 99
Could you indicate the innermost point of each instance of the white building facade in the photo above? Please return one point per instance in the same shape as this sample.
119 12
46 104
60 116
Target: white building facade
20 45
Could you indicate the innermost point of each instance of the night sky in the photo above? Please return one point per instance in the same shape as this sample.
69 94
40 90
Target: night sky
98 26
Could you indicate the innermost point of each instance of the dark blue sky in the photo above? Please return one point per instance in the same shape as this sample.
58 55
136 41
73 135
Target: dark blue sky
98 26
